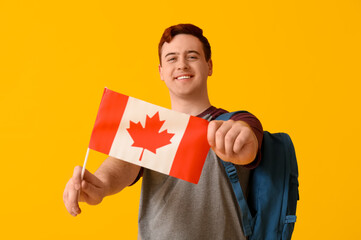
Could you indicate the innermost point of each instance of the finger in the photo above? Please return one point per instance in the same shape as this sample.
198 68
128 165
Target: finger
220 135
76 179
229 140
73 192
246 146
71 199
242 139
211 133
65 197
239 143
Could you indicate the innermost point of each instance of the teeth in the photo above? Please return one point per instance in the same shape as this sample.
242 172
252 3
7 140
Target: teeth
184 77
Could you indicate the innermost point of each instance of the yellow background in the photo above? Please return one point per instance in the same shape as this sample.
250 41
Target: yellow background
294 64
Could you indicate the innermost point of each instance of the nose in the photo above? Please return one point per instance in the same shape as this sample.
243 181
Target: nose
182 64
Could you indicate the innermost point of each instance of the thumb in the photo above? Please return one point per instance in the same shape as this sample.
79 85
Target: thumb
211 132
92 194
92 179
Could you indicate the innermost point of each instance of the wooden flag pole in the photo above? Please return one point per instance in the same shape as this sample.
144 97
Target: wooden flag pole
84 165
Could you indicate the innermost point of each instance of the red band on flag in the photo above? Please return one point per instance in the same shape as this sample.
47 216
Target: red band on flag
106 125
191 154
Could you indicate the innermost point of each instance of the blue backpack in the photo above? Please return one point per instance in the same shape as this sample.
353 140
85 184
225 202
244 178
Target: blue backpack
270 212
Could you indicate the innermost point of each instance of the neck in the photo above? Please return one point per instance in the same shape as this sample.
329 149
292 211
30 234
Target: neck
191 106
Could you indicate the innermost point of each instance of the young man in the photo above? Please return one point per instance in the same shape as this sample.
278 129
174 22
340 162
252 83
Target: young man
171 208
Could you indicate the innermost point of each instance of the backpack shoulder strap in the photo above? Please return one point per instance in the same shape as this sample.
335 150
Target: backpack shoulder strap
231 172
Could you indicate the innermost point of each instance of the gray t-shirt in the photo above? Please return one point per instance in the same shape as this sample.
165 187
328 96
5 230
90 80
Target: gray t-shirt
173 209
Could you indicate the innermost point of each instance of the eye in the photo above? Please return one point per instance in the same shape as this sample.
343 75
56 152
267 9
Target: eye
192 57
172 59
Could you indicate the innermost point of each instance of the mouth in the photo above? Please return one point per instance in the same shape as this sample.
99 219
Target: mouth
185 76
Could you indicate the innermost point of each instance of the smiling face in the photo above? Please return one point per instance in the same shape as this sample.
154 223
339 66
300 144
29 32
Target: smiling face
184 68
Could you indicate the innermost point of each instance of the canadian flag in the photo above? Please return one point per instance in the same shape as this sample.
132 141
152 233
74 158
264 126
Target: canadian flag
153 137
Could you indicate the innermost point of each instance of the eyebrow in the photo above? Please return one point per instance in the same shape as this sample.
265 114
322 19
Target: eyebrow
171 53
193 51
189 51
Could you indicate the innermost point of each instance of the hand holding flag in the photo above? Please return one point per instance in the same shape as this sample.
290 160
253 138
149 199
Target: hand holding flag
83 187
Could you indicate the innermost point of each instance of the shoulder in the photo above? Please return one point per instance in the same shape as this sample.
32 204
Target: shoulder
211 113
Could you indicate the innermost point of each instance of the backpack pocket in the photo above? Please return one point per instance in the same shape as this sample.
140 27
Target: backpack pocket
288 227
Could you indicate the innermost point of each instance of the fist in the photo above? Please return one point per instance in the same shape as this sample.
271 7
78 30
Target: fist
233 141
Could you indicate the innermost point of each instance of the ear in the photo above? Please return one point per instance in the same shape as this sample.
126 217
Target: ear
210 66
160 72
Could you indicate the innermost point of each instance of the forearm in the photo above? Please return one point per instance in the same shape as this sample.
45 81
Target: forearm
116 174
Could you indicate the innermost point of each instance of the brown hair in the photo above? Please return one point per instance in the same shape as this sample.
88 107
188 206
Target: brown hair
191 29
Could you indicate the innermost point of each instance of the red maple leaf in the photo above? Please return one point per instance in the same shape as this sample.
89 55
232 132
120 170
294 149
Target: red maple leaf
149 137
